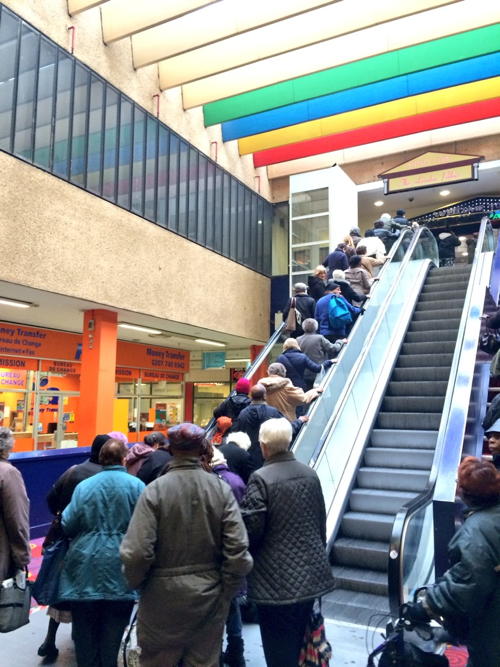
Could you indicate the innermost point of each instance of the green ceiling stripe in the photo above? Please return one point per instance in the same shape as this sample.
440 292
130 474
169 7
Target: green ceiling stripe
377 68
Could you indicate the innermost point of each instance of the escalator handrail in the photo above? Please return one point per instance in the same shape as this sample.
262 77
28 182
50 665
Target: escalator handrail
338 361
353 371
406 513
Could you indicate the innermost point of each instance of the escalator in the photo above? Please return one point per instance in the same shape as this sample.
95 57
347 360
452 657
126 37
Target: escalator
401 418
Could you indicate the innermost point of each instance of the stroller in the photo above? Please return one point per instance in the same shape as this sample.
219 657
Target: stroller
406 645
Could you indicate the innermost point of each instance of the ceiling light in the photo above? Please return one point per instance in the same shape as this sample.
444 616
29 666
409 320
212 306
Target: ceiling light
209 342
461 238
465 253
136 327
16 304
237 361
378 203
444 193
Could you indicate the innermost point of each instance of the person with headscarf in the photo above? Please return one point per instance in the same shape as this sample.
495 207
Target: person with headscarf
467 597
157 460
223 425
58 499
188 565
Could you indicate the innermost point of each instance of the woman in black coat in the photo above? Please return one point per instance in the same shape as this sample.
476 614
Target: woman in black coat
316 283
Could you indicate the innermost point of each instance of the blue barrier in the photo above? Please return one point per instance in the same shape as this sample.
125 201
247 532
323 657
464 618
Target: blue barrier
40 470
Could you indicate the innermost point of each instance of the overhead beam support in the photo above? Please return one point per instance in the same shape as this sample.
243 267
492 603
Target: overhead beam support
402 32
77 6
122 18
218 21
314 26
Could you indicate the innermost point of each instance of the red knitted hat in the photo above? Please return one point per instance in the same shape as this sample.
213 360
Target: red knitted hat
243 386
479 478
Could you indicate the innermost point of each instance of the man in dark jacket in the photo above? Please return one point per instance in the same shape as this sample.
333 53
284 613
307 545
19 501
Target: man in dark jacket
447 242
387 237
157 460
304 304
234 404
284 512
337 260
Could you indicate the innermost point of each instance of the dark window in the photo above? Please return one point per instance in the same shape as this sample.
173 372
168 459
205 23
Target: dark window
110 157
9 47
45 104
218 210
173 183
80 125
209 239
95 146
183 188
138 161
25 102
234 220
125 154
150 188
202 200
161 192
192 231
64 103
226 216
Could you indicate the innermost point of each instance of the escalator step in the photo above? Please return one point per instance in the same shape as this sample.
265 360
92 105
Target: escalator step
392 479
381 501
453 302
434 335
403 438
359 608
410 420
430 347
361 580
435 287
420 374
398 457
423 360
370 526
447 314
406 404
360 553
430 326
417 388
440 297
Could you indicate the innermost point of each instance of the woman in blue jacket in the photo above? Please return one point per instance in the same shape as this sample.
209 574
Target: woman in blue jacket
321 314
96 521
296 363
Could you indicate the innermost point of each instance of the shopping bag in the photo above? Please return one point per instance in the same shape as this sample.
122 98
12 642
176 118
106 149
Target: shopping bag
316 651
293 317
129 654
46 587
15 601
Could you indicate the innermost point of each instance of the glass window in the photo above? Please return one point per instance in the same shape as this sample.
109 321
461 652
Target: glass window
268 212
173 183
95 135
207 396
234 220
110 144
183 188
240 224
9 44
64 98
151 168
310 230
45 103
226 215
138 162
209 237
193 195
161 210
280 239
79 128
218 210
260 236
252 253
28 66
312 201
202 199
125 153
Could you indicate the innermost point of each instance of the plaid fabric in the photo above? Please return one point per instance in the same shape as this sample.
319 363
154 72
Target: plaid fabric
316 650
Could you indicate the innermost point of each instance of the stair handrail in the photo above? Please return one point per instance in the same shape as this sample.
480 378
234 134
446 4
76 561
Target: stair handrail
452 424
330 377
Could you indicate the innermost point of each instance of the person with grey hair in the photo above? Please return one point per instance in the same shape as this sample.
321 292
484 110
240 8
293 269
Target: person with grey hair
284 512
296 363
15 550
282 394
316 347
235 451
303 304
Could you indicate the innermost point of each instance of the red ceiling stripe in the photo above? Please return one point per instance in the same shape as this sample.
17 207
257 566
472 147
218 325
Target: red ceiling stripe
431 120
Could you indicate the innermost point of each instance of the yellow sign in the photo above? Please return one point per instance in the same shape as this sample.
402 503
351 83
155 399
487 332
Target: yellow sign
427 179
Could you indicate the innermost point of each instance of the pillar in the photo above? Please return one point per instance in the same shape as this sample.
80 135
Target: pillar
97 379
261 371
188 401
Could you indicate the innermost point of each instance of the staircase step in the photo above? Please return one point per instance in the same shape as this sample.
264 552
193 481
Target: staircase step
417 388
392 479
364 525
360 553
427 336
420 374
431 325
430 347
399 457
381 501
403 438
360 580
413 403
431 360
409 420
354 607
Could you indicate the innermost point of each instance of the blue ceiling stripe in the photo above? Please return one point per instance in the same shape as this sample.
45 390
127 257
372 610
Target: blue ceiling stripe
398 87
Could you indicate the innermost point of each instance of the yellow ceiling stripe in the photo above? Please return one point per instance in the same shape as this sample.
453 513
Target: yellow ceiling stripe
379 113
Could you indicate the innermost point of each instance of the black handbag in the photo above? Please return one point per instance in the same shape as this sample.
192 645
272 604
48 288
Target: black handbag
15 602
46 587
489 341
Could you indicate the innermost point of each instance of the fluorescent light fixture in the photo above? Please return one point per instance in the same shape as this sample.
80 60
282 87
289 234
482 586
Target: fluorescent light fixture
461 238
236 361
209 342
136 327
378 203
15 304
444 193
493 164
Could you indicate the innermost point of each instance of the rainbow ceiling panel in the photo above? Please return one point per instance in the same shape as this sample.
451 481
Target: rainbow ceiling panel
409 106
430 120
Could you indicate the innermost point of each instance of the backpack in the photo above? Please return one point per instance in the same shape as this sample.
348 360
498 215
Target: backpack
338 313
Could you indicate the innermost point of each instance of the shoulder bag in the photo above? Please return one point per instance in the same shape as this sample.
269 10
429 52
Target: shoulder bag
15 601
291 318
316 650
46 586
